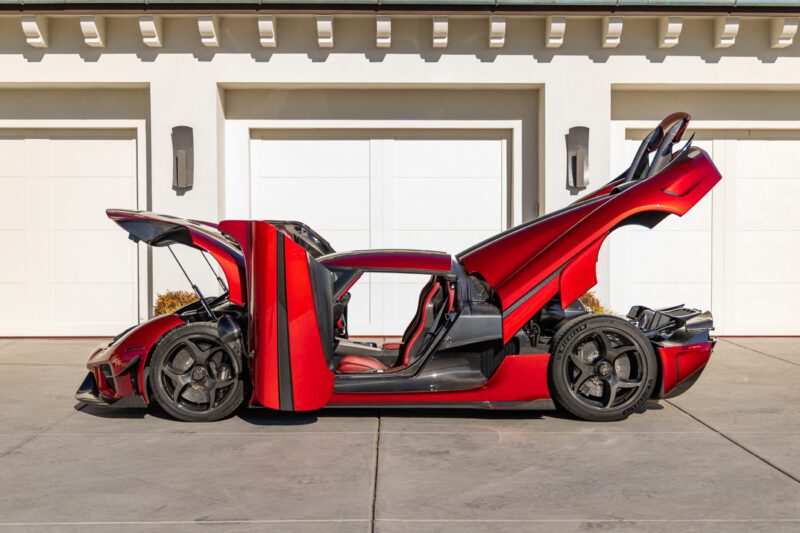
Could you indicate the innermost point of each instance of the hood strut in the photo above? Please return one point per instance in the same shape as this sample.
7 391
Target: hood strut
195 288
219 279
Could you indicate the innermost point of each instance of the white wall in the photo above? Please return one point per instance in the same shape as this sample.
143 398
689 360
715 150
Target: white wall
185 82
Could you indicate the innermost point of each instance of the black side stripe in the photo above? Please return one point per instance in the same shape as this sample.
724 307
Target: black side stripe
285 392
531 292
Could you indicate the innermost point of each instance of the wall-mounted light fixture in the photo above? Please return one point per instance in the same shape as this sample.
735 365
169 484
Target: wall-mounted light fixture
182 159
578 158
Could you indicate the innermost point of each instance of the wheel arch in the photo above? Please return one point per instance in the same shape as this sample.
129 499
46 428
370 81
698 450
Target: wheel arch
144 364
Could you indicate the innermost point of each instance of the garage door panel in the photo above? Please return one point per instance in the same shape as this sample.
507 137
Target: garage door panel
656 295
13 267
761 231
452 241
666 256
767 204
321 203
446 203
67 270
774 302
755 235
90 257
101 158
382 191
404 293
446 158
302 158
344 240
14 313
368 316
12 215
668 265
10 150
697 219
93 195
766 256
767 158
360 308
94 305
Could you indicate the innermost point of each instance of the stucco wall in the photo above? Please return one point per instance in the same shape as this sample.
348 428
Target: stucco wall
186 82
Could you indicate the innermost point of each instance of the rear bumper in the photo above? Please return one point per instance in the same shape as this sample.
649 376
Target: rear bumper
682 365
686 384
682 339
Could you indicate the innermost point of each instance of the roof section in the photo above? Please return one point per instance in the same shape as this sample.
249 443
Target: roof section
391 260
639 5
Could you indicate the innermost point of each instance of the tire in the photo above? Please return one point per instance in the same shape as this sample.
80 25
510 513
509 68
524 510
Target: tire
602 368
194 377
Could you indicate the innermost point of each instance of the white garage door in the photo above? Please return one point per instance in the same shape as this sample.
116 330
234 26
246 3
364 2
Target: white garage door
382 189
736 252
66 269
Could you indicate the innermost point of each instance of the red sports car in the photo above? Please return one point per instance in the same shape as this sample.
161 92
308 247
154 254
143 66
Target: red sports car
500 325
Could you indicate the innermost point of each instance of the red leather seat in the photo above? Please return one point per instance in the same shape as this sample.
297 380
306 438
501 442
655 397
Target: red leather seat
352 364
431 299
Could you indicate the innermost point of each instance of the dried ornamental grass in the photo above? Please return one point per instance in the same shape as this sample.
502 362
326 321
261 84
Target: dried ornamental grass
170 301
591 301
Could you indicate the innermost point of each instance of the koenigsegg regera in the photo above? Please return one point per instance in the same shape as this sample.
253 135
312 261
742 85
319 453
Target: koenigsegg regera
500 325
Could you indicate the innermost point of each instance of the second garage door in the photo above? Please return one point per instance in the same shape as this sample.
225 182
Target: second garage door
384 189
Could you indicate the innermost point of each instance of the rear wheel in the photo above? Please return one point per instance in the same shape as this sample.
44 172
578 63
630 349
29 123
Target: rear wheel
196 377
602 369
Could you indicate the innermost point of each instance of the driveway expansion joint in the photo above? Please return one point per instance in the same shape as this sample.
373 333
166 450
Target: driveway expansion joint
375 475
762 353
737 444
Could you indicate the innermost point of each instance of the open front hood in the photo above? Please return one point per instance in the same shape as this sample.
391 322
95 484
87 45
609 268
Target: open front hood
164 230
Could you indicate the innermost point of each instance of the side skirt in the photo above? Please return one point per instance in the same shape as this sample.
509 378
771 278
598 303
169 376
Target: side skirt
533 405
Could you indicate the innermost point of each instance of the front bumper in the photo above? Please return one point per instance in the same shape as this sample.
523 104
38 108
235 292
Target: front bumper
117 369
89 393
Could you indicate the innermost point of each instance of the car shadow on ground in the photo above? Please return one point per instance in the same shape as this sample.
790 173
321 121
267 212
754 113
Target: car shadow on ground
267 417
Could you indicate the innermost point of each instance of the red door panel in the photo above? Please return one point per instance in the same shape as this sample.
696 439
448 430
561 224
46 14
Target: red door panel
312 376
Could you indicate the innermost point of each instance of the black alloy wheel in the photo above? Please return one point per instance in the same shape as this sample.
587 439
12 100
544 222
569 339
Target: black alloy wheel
602 369
196 377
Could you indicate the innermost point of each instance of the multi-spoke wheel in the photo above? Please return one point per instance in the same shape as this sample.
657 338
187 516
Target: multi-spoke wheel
194 376
603 368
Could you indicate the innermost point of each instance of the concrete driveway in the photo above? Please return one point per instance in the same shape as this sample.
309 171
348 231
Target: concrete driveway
723 457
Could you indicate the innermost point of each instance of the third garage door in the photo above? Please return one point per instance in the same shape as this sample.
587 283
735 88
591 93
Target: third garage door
736 252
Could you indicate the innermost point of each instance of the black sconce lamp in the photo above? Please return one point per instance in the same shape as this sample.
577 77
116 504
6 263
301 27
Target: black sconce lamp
182 159
578 158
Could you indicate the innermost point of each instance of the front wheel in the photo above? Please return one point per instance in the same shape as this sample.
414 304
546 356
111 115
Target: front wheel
602 368
194 376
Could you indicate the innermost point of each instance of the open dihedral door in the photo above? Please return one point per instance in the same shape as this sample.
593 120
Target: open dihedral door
291 326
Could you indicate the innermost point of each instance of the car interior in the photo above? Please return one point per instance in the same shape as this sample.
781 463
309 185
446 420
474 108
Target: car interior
435 300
